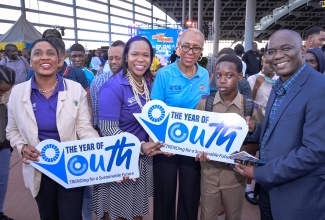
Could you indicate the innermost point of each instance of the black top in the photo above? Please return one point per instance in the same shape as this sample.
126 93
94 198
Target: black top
253 61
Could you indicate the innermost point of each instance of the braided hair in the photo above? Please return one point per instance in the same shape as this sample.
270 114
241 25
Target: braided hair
7 75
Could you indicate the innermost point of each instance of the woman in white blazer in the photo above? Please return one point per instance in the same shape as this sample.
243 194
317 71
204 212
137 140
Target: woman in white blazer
48 107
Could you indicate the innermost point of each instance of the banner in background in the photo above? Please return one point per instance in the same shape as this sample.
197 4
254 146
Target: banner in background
90 161
163 41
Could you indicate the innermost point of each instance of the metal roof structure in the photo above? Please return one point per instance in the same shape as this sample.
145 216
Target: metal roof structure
271 15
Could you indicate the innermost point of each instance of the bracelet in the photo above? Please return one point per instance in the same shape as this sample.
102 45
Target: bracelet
142 142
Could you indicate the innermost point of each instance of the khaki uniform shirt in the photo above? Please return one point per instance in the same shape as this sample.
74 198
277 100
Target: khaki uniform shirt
217 173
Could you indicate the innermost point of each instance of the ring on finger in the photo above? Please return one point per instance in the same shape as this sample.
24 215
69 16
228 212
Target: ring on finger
153 150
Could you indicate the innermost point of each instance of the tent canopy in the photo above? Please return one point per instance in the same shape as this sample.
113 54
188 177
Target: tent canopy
21 31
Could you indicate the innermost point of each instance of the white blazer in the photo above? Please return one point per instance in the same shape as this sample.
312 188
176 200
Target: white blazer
72 119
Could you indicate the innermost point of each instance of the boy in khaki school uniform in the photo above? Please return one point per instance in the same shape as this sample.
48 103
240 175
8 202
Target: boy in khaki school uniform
219 182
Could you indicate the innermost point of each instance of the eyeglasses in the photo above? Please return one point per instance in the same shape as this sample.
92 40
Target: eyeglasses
195 49
312 61
116 58
283 50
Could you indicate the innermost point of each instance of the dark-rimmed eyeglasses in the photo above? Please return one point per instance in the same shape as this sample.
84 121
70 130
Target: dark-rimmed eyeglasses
195 49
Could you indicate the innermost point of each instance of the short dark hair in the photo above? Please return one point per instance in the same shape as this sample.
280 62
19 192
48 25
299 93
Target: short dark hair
7 48
49 40
118 43
313 30
77 47
7 75
58 42
52 32
239 49
226 50
232 59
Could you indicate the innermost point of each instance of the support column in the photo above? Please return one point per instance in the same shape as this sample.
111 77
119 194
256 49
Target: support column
109 22
23 8
151 15
200 15
190 10
249 23
184 14
75 26
216 26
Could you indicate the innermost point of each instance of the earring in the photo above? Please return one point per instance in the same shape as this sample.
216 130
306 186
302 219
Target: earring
200 58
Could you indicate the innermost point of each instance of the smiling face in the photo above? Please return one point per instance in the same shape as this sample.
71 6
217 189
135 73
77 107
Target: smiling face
285 53
191 39
227 78
138 58
44 59
77 59
115 58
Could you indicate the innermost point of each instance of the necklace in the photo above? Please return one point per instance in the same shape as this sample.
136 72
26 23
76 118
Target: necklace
51 89
138 90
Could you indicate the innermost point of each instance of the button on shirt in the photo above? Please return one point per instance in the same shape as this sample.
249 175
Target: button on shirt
45 110
213 172
281 89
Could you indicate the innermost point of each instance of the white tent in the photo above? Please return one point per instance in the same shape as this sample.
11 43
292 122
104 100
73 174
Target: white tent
21 32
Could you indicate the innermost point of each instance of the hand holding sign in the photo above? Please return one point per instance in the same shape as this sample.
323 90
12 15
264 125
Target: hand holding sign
188 132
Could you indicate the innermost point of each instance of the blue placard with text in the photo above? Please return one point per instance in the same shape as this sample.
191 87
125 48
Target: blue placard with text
90 161
188 131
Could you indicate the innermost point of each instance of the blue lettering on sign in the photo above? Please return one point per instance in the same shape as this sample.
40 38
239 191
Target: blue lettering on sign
222 129
178 133
78 165
117 150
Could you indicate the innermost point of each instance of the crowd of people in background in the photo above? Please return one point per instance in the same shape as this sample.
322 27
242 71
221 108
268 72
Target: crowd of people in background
39 85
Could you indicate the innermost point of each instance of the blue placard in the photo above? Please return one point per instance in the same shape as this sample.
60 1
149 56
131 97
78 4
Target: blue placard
90 161
188 131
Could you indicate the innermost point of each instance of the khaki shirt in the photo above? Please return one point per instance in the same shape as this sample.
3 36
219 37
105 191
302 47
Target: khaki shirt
217 173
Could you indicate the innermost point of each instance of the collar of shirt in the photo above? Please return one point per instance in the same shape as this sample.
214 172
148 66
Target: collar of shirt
63 68
281 87
9 60
59 88
178 73
237 100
